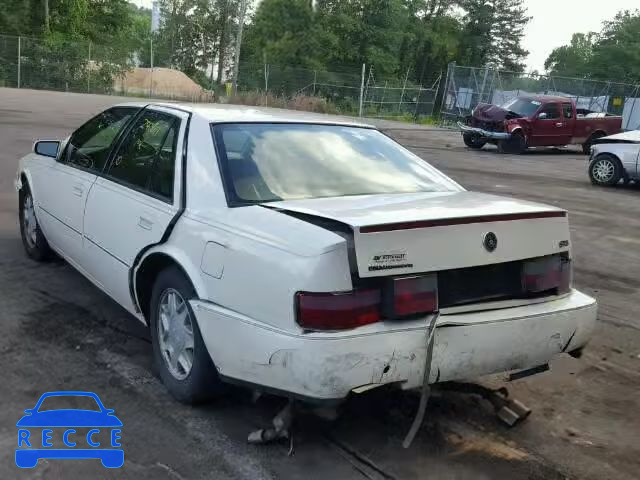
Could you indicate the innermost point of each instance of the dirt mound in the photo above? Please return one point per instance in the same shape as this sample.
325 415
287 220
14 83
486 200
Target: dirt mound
161 82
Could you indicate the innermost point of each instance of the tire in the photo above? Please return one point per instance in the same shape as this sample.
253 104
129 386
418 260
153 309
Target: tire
605 170
517 144
190 384
586 147
33 240
473 141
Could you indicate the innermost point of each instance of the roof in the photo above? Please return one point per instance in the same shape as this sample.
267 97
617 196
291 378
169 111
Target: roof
218 113
548 98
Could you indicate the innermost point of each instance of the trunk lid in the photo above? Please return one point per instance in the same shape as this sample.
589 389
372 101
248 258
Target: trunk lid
422 232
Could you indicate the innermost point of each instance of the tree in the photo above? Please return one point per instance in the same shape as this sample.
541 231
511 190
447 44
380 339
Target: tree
432 39
613 53
616 53
493 33
363 31
283 32
574 59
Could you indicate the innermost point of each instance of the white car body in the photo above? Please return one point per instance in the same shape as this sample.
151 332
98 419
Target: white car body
247 263
625 147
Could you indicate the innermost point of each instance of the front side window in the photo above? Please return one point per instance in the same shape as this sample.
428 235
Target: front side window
272 162
551 110
146 157
90 145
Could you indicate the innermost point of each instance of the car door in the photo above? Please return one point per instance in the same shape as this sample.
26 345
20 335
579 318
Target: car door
132 204
566 126
547 126
63 186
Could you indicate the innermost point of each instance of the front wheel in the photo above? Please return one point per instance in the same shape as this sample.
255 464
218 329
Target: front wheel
473 141
515 144
179 353
605 170
33 239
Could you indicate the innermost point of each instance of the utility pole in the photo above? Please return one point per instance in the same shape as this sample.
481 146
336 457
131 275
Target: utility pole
236 64
46 15
222 43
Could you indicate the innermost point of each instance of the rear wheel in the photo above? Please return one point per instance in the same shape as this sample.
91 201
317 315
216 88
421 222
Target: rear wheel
473 141
179 352
33 239
605 170
515 144
586 147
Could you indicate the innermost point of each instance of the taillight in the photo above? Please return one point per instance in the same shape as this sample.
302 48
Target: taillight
547 273
338 311
411 296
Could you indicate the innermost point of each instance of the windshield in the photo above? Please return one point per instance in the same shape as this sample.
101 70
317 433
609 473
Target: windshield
271 162
523 107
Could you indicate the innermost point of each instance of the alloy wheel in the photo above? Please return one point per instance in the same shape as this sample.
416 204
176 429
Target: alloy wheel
604 170
175 333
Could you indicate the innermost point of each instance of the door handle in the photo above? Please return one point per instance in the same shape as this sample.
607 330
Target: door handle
559 124
78 191
145 223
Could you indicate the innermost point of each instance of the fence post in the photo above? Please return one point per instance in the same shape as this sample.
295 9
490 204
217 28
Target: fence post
633 106
19 61
315 79
89 70
151 63
445 92
404 86
364 67
266 84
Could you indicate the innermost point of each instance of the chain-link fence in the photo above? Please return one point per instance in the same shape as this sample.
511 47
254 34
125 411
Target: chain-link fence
466 87
86 67
56 65
347 93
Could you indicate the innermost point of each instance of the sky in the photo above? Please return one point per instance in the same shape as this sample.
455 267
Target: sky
554 22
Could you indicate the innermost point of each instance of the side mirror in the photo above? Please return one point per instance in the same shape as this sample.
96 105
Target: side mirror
47 148
542 116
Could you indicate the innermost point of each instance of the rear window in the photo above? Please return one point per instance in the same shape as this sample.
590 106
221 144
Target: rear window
271 162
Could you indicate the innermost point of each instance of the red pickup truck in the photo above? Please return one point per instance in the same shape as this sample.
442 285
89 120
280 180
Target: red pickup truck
536 121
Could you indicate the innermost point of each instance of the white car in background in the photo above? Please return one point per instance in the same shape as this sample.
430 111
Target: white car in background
299 254
615 158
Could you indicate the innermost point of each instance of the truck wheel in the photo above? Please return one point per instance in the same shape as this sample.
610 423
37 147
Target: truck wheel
516 144
586 147
605 170
473 141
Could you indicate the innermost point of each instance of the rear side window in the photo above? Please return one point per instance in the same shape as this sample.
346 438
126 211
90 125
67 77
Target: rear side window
146 157
567 110
90 145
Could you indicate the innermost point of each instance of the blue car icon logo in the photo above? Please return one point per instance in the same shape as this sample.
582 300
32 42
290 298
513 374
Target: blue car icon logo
43 431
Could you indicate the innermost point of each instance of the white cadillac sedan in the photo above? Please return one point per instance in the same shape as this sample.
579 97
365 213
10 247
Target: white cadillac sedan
299 254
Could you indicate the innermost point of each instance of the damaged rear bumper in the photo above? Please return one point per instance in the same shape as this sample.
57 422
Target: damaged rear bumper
483 133
328 366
